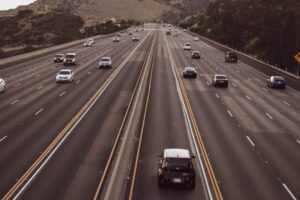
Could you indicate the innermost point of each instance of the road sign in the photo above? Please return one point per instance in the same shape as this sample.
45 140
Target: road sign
297 57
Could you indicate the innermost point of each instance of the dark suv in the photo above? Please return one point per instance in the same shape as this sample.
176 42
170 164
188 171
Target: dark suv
231 57
176 168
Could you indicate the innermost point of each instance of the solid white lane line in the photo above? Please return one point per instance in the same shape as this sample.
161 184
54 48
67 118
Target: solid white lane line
289 191
40 87
286 103
3 138
77 82
15 101
217 95
38 112
17 84
265 89
251 142
61 94
229 113
269 115
248 97
298 141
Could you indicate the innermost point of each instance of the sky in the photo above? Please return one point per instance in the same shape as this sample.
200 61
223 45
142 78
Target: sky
8 4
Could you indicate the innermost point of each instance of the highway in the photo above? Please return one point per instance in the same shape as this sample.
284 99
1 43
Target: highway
64 141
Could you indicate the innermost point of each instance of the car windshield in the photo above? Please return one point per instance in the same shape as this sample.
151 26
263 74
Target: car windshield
221 77
64 72
177 163
70 56
278 79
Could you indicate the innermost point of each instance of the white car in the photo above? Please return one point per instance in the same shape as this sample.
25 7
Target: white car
87 44
90 40
135 38
70 59
65 75
105 62
196 38
116 39
189 72
187 46
2 85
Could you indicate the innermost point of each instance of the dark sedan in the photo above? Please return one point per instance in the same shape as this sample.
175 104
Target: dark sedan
276 82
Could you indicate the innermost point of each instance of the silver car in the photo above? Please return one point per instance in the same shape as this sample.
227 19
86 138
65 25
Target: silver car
105 62
65 75
2 85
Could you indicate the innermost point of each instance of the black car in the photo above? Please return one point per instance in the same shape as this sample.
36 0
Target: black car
220 80
196 55
59 58
168 32
231 57
276 82
176 168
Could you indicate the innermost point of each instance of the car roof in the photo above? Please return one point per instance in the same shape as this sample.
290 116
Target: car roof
277 77
220 75
187 43
105 57
71 54
176 153
189 68
65 70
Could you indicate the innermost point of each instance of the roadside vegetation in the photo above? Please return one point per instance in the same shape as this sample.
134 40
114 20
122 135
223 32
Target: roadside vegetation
269 29
28 31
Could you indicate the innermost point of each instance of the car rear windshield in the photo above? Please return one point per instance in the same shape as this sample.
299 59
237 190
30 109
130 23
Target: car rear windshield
64 72
178 163
105 60
187 44
59 55
221 77
278 79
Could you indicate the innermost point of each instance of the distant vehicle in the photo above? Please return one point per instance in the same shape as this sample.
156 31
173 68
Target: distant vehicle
142 29
168 32
176 168
59 57
2 85
176 34
130 33
65 75
70 59
276 82
187 46
105 62
119 35
189 72
87 44
90 40
196 55
116 39
220 80
196 38
231 57
135 38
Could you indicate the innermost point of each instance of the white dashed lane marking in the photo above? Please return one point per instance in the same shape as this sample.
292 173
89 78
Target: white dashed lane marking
298 141
40 87
18 84
61 94
77 82
1 140
289 191
248 97
14 102
38 112
269 115
286 103
217 95
229 113
251 142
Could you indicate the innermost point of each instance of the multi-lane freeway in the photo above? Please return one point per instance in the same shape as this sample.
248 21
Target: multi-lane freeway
99 137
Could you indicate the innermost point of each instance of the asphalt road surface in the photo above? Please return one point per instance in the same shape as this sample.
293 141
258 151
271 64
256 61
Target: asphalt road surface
55 138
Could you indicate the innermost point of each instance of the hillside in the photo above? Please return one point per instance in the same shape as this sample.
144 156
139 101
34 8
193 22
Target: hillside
141 10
